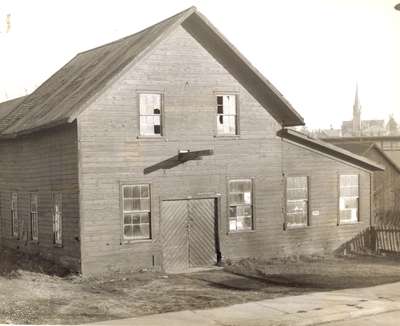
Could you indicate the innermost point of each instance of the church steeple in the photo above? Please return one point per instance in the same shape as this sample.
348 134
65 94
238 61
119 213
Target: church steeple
356 115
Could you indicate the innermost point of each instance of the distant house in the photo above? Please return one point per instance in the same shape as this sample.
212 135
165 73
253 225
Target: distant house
386 183
167 149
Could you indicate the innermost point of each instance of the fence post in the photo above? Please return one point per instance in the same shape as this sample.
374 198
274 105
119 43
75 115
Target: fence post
372 238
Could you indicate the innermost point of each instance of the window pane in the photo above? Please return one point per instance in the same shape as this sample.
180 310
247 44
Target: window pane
145 230
127 219
144 204
296 207
136 205
136 219
229 102
136 191
150 103
243 223
232 225
349 191
128 204
144 191
240 185
236 198
137 233
348 202
232 211
144 218
128 191
128 231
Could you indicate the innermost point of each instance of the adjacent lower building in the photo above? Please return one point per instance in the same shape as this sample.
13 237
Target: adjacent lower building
168 150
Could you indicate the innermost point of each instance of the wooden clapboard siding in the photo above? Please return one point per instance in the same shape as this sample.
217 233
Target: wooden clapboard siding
386 190
111 154
42 162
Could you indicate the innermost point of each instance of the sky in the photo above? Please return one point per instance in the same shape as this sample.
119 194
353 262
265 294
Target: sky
313 51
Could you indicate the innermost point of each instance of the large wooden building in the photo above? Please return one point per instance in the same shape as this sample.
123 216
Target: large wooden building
167 149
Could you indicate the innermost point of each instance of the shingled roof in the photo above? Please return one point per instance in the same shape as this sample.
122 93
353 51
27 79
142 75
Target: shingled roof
71 89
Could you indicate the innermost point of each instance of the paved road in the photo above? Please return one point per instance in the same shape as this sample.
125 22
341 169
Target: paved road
379 305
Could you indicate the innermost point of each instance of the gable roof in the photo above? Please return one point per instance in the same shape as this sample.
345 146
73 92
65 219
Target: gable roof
364 148
70 90
6 108
330 149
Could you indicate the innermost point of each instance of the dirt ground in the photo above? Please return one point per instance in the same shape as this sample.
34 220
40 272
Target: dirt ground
36 292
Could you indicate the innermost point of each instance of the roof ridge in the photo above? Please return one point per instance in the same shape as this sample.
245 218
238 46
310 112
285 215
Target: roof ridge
192 8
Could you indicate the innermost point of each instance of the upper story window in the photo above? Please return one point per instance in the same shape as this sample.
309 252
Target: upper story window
226 115
349 199
240 205
14 214
136 212
150 114
296 201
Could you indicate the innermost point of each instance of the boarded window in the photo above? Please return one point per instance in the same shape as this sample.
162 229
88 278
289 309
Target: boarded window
150 114
349 198
14 214
226 115
136 212
34 217
240 205
296 201
57 218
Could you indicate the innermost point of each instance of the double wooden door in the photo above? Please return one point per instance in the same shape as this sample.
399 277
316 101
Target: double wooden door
189 234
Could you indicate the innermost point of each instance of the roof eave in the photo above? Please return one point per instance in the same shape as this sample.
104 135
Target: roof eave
330 149
53 124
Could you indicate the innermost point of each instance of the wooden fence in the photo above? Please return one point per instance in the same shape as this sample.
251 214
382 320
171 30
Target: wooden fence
387 239
376 239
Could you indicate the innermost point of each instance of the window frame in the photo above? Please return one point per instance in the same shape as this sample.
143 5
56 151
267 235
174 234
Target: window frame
122 222
31 212
57 243
286 225
14 215
162 119
228 205
339 220
237 111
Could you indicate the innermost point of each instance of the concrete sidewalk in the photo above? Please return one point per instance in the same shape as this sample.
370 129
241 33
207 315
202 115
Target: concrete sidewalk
307 309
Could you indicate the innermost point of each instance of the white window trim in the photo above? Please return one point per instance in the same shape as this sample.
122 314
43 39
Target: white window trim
288 225
346 222
162 129
135 239
236 115
31 213
236 205
57 227
14 215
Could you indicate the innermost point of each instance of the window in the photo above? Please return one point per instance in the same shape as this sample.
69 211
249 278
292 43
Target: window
150 114
226 115
34 217
136 212
296 201
349 199
14 214
57 218
240 205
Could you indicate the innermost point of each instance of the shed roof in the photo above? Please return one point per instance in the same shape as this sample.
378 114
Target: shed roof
71 89
330 149
364 148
